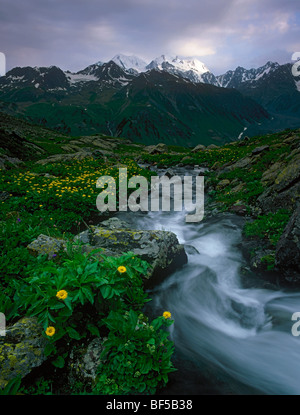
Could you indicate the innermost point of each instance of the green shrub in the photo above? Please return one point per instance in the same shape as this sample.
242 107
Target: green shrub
136 356
70 300
268 226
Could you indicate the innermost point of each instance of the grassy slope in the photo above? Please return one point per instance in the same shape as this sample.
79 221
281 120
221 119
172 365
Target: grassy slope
236 178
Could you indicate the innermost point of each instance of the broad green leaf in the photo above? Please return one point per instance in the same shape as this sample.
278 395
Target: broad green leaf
57 306
88 293
68 303
106 291
132 318
147 366
142 387
65 313
49 348
92 268
93 329
79 270
81 296
50 317
73 333
59 362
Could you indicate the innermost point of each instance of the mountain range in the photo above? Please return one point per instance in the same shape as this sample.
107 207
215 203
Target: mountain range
170 99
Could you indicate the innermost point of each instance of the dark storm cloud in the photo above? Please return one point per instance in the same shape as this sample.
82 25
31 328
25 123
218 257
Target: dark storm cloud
74 34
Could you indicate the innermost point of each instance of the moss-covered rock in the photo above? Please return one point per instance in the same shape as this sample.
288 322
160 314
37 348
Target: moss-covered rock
270 175
21 349
83 363
46 245
283 185
160 249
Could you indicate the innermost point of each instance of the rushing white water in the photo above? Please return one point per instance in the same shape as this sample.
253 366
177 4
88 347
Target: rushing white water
246 332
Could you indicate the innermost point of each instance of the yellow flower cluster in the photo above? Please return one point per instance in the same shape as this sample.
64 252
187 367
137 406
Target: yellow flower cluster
79 179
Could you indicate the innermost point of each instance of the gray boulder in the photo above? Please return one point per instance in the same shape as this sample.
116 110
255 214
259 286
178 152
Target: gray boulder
114 223
160 249
156 149
259 150
7 162
199 147
46 245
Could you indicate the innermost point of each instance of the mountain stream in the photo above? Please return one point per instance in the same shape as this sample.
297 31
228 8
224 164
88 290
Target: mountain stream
231 336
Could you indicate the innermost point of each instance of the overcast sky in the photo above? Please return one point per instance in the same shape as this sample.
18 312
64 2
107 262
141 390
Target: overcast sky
73 34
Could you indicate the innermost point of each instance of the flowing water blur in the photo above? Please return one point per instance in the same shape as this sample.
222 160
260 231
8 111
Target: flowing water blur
241 334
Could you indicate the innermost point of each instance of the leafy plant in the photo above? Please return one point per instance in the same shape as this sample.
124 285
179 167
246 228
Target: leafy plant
42 386
137 354
69 300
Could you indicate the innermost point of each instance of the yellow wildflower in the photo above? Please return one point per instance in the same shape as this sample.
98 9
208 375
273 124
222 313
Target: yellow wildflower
167 314
50 331
122 269
62 294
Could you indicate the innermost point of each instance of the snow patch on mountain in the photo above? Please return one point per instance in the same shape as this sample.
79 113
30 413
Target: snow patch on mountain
263 73
16 78
243 132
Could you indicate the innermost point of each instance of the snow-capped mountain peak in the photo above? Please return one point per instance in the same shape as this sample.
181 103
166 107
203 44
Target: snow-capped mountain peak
182 64
189 68
130 63
240 75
